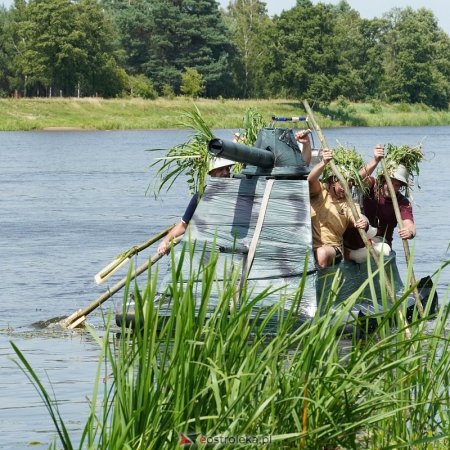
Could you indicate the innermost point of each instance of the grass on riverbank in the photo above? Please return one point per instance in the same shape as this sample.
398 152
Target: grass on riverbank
122 114
223 377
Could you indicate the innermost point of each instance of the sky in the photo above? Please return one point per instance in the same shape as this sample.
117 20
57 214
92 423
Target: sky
368 9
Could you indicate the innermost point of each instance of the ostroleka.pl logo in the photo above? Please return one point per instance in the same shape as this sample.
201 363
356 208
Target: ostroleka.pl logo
186 440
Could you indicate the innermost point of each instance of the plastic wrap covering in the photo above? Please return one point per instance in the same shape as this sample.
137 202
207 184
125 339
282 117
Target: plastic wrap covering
227 216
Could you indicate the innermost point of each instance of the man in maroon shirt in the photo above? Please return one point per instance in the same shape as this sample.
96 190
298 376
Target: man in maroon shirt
379 209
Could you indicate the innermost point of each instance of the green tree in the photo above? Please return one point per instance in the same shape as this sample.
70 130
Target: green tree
6 50
348 46
371 65
303 62
250 29
134 23
67 47
412 74
188 33
440 90
192 83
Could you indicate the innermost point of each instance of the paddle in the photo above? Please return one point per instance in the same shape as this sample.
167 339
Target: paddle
125 257
349 199
405 242
78 317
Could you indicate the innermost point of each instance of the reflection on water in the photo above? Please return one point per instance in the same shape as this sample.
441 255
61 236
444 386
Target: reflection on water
72 201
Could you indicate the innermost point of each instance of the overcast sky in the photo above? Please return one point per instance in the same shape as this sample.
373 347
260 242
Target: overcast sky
371 8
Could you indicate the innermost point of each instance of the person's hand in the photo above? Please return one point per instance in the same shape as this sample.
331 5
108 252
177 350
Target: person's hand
362 223
163 248
327 155
302 136
405 233
378 152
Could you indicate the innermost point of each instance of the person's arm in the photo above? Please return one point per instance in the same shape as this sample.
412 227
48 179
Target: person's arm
408 230
367 170
178 230
302 137
313 177
361 223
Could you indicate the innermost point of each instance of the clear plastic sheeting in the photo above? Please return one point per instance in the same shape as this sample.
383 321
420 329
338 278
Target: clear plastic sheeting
225 221
226 218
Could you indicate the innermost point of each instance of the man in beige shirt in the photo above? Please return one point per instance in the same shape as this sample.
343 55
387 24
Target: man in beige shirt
330 214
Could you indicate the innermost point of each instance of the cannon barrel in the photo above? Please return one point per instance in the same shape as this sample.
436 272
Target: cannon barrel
241 153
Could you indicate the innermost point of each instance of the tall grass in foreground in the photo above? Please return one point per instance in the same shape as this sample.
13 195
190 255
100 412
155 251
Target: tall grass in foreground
223 377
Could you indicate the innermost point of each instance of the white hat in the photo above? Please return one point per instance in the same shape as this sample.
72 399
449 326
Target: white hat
217 163
401 174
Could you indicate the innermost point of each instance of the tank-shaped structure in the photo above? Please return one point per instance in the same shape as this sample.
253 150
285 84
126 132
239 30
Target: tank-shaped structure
259 220
260 224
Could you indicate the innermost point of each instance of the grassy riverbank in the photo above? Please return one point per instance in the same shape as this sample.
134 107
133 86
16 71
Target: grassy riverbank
123 114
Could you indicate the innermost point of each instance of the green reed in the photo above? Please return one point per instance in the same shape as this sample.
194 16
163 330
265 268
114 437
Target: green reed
230 373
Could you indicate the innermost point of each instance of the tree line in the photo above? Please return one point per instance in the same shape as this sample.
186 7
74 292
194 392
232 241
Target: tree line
151 48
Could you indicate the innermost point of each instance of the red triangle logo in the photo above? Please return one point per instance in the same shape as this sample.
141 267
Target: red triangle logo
184 440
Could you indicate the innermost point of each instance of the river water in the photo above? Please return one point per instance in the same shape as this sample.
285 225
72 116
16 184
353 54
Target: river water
71 201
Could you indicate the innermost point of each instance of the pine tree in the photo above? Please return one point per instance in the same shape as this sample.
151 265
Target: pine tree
188 34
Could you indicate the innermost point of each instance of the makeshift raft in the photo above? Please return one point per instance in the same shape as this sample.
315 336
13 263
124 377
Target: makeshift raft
260 222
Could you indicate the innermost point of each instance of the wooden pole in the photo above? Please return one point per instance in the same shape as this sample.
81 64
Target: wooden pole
78 317
404 241
119 262
354 211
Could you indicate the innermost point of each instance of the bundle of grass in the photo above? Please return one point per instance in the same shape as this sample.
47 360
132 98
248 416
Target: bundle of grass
191 158
349 162
253 121
406 156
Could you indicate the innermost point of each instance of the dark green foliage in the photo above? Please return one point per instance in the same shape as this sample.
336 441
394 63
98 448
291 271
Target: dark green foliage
304 62
314 50
66 47
5 49
187 33
411 74
133 20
